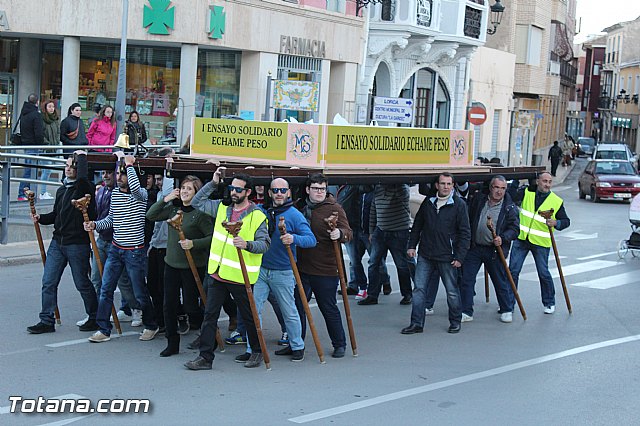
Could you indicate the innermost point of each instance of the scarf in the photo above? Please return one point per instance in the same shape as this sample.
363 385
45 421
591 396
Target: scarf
307 210
275 211
50 118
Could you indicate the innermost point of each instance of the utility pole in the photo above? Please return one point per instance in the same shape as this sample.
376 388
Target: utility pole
122 69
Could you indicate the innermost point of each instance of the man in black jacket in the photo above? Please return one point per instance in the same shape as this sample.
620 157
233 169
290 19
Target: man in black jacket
442 228
32 133
504 214
70 244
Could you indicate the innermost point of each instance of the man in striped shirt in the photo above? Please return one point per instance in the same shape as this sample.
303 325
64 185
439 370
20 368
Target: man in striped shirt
127 251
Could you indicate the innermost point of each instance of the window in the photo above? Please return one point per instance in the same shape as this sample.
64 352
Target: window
388 10
528 45
635 90
495 135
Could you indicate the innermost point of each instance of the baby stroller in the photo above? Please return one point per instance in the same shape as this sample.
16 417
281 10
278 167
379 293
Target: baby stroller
633 243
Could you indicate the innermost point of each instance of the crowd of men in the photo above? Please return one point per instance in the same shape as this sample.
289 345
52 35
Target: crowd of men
187 273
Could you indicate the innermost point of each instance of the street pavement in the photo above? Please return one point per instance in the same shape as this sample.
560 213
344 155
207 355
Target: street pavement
578 369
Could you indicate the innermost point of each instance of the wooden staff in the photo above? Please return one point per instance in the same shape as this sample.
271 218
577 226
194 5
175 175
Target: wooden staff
506 268
332 223
233 228
486 285
31 196
82 205
176 223
547 215
303 297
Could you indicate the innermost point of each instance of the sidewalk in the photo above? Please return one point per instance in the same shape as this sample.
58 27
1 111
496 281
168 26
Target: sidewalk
21 253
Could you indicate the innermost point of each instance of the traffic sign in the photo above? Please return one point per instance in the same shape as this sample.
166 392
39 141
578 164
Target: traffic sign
477 114
393 114
401 102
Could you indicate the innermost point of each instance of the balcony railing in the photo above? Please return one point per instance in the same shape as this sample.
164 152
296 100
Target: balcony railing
472 22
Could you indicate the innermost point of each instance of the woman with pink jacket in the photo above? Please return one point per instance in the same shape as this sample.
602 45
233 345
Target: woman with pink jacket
103 128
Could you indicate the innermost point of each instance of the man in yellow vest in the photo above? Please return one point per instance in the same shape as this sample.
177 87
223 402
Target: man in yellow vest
224 275
535 236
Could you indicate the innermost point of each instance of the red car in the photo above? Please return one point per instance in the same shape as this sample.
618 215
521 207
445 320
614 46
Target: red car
610 179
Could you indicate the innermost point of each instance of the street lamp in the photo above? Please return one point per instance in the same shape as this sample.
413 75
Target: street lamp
497 9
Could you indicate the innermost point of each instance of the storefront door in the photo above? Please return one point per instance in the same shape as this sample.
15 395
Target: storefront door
7 106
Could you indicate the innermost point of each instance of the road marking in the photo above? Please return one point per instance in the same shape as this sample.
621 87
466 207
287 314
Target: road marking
610 281
6 410
86 340
21 351
576 268
459 380
577 235
595 256
561 188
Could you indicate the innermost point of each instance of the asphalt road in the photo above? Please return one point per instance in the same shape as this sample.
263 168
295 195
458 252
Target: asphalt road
551 369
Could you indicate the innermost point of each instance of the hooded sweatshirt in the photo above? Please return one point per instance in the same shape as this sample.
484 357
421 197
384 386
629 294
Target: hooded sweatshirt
31 126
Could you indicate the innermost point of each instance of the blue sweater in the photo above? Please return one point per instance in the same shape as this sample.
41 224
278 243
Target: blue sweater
276 257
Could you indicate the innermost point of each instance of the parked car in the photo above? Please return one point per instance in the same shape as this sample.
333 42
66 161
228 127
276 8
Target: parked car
610 179
614 151
586 146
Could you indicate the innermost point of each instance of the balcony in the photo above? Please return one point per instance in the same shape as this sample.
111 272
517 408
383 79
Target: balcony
559 67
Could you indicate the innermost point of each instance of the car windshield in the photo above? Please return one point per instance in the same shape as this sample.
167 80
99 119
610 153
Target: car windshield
586 141
611 155
614 168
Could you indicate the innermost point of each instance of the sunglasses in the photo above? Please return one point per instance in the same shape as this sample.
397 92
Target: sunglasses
236 189
279 190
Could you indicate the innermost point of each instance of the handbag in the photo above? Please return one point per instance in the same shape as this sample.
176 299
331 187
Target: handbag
16 137
74 134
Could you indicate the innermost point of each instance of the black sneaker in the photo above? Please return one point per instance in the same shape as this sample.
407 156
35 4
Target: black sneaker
386 289
40 328
284 351
338 352
243 358
199 364
297 355
90 325
406 300
183 324
254 360
368 301
350 291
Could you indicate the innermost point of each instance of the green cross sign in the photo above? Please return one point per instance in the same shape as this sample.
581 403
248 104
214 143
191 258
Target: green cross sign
216 21
159 17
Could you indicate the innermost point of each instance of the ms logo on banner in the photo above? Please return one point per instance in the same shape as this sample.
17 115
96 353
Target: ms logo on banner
301 144
459 148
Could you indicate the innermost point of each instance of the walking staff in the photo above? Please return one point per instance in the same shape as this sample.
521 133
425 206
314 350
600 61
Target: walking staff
31 196
506 268
332 222
282 226
82 205
176 223
486 285
233 228
547 214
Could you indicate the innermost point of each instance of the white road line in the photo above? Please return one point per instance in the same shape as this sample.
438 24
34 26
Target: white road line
595 256
576 268
561 188
459 380
6 410
611 281
86 340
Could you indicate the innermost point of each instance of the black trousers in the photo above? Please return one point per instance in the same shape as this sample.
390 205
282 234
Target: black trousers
155 281
174 280
217 294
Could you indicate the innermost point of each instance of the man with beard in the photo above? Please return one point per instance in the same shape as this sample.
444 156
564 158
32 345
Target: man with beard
224 274
276 275
127 252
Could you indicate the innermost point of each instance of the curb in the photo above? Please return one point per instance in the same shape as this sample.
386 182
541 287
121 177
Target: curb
20 260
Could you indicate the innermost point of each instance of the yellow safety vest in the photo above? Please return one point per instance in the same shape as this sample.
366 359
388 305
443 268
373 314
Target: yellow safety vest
533 226
223 256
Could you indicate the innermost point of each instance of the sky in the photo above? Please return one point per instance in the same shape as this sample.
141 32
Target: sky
599 14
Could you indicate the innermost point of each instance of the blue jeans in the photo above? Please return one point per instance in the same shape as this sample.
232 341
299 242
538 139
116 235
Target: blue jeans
77 256
356 249
396 243
282 284
134 262
325 289
124 284
488 256
424 272
519 252
28 173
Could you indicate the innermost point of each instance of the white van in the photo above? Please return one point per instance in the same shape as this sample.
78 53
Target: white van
614 151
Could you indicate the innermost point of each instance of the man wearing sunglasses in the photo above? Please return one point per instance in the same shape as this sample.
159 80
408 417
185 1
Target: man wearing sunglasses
317 265
224 275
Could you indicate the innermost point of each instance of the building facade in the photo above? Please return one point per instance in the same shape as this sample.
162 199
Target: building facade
591 59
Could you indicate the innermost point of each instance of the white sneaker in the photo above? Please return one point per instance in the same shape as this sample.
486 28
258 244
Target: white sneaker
82 321
98 337
429 311
136 318
123 317
466 318
549 309
45 196
362 294
506 317
148 334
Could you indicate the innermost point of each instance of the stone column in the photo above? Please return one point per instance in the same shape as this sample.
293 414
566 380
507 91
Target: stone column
28 69
187 102
70 73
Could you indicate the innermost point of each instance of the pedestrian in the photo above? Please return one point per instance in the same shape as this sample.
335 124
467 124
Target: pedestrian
136 129
32 133
441 227
318 265
224 274
103 129
535 235
197 228
72 127
127 251
69 245
504 215
555 155
51 122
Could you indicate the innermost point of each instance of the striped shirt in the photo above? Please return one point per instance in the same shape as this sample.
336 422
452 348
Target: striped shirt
390 209
127 213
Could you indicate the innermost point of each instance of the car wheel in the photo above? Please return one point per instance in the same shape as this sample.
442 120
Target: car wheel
581 194
594 197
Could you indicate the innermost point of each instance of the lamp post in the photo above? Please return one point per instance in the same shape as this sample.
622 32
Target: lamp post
122 69
497 9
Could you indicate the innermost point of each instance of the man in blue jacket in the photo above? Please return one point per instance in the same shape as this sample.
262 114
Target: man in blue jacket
504 214
442 228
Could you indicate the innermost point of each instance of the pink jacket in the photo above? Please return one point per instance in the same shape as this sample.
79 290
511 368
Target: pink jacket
101 132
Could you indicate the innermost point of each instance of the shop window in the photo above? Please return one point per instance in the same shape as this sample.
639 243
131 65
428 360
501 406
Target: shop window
217 84
8 55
